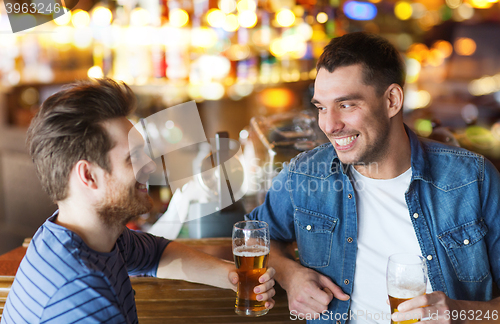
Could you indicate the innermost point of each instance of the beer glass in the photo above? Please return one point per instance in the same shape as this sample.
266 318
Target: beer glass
406 279
251 252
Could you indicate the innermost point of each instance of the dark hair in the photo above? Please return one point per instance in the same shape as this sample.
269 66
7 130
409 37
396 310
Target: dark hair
68 128
382 64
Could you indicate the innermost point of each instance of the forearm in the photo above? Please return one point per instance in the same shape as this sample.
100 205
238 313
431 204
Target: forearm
475 312
184 263
282 258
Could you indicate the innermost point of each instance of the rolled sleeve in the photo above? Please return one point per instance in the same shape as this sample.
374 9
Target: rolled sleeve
142 251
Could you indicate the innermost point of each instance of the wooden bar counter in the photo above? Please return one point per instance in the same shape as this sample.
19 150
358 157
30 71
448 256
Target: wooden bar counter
174 301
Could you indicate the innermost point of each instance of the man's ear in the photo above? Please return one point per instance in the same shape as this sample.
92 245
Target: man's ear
395 96
86 173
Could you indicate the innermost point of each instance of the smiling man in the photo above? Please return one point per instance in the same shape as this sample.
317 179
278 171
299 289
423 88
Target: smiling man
376 190
77 266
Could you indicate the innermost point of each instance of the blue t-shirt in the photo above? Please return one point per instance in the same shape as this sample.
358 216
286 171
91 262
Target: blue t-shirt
62 280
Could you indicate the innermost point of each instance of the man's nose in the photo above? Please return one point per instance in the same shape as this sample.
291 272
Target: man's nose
332 122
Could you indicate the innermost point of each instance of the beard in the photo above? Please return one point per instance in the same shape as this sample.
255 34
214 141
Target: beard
122 204
377 150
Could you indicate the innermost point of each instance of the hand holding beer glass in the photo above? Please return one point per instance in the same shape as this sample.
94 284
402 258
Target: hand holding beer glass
251 251
406 279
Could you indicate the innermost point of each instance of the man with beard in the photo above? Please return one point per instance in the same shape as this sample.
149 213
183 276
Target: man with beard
377 190
77 266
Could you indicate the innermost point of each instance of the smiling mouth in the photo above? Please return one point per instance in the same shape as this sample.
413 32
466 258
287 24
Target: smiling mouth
141 187
345 140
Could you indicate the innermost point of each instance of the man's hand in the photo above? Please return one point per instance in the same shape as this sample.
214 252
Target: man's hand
436 307
265 291
310 292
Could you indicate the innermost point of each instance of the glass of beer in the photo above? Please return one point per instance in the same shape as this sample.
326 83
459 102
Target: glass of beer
406 279
251 252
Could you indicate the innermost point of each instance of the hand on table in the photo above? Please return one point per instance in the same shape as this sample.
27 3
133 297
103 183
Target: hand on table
265 291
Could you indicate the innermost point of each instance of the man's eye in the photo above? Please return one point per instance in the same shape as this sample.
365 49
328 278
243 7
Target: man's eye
320 108
344 105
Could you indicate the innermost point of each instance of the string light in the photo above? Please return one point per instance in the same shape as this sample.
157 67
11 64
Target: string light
322 17
453 4
360 10
216 18
403 10
80 18
481 4
102 16
464 12
247 18
465 46
285 17
444 47
95 72
178 17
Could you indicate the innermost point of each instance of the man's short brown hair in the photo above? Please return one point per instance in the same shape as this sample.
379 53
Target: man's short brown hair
69 128
381 62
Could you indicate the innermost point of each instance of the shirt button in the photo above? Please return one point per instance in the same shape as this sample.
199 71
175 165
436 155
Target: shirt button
349 239
308 227
346 281
466 241
349 196
429 257
415 215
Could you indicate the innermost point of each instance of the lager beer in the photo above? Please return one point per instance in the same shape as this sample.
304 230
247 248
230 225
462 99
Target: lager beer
251 251
406 279
398 295
251 263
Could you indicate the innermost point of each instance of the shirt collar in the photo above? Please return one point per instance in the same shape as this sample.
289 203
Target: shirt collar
419 160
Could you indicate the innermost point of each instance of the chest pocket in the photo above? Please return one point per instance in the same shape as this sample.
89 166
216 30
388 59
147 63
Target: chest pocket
467 252
314 232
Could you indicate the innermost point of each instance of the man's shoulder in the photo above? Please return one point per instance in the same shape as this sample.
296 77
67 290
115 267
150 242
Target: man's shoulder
51 269
453 156
452 167
52 259
435 147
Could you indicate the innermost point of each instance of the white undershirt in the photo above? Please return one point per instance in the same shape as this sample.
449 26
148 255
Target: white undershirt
384 228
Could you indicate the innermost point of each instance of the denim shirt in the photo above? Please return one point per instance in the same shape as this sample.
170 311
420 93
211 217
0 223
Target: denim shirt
453 203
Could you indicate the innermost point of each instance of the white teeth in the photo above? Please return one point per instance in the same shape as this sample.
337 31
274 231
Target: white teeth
346 140
142 186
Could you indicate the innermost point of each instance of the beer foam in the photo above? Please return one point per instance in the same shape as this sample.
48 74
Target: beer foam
251 251
406 289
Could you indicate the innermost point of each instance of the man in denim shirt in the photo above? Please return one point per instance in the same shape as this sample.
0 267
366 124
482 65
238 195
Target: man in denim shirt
450 201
